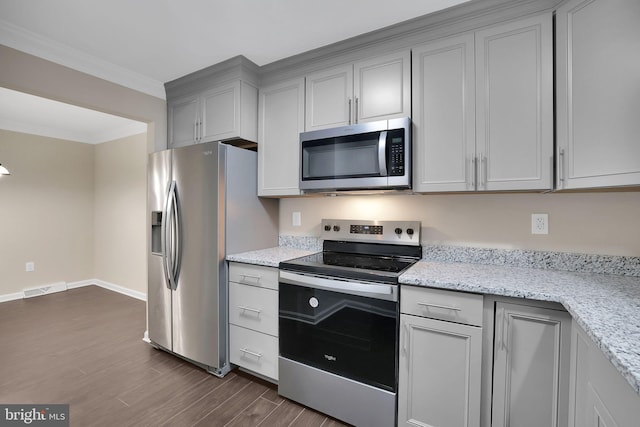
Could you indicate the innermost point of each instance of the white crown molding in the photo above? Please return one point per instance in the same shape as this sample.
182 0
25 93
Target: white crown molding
70 135
27 41
117 133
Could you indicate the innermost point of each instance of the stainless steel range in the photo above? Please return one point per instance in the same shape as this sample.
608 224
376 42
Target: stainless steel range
339 317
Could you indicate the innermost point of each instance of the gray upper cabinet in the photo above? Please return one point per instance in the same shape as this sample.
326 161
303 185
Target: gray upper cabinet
281 108
215 104
375 89
483 109
598 93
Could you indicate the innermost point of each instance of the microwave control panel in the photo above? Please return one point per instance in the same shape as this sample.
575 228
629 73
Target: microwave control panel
396 153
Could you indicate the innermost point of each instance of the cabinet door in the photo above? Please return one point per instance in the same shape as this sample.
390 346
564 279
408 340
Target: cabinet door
598 93
514 105
329 98
530 366
444 115
382 87
439 379
599 396
183 121
281 119
221 112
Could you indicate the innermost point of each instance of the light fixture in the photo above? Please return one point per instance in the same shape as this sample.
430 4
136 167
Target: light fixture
3 170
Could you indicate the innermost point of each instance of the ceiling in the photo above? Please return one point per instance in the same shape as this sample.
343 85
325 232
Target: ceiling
144 43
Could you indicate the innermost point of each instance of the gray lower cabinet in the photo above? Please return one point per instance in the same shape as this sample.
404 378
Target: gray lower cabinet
253 319
599 396
440 358
531 358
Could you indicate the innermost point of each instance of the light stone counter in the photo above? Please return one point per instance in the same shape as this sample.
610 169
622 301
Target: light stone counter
607 307
270 257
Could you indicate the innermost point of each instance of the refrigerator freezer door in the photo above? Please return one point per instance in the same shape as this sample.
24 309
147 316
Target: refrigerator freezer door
158 292
197 326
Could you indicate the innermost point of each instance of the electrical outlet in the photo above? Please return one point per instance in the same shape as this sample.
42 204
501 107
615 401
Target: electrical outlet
296 219
539 223
30 266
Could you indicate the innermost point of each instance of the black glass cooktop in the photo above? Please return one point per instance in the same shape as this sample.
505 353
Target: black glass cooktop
363 266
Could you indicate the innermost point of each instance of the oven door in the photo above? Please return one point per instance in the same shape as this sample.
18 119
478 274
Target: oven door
350 333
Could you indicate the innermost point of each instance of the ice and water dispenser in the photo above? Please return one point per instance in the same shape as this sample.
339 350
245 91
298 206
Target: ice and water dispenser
156 232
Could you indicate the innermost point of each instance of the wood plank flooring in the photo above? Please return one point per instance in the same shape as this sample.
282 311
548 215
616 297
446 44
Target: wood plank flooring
84 347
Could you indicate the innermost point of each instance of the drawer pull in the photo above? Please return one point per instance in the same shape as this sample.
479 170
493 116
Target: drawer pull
444 307
253 353
249 276
253 310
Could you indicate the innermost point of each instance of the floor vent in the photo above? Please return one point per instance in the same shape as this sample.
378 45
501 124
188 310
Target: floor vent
43 290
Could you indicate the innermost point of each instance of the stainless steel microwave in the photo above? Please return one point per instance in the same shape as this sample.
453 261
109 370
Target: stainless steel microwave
367 156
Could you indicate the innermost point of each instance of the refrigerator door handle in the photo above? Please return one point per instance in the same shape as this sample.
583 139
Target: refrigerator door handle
168 237
176 238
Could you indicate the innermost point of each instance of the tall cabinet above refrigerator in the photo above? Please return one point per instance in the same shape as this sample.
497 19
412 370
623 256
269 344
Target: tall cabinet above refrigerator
203 205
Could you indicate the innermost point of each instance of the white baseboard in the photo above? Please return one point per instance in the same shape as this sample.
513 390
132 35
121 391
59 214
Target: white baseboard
110 286
72 285
11 297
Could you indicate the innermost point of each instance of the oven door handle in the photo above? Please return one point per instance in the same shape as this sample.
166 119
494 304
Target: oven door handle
373 290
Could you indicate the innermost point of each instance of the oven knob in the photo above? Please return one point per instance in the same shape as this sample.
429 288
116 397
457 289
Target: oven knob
313 302
399 231
336 228
327 228
410 231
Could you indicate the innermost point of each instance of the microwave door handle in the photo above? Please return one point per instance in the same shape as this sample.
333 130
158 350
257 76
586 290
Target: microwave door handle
382 153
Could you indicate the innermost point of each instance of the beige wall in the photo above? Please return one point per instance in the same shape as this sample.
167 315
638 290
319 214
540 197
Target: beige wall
120 212
597 223
46 211
77 210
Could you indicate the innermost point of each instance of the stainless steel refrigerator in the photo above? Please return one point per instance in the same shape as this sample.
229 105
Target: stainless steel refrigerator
203 205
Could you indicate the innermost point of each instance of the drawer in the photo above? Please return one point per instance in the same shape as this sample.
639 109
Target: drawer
254 308
255 275
440 304
254 351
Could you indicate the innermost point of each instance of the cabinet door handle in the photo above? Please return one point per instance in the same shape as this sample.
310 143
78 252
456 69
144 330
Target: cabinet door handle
253 310
561 168
253 353
195 131
349 109
474 172
356 110
483 172
444 307
249 276
405 339
499 337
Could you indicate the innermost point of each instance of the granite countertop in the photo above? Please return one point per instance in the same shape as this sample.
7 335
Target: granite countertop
270 257
606 306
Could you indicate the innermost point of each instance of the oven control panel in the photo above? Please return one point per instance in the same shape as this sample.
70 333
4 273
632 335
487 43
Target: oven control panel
395 232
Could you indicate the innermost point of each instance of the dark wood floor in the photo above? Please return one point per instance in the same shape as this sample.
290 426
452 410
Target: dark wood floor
84 347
